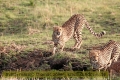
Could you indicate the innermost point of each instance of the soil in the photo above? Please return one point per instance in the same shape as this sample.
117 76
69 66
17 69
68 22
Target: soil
39 59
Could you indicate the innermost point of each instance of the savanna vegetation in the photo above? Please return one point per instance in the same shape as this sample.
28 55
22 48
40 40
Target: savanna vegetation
26 29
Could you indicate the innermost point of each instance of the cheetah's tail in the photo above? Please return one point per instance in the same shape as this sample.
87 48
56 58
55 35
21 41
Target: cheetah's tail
94 33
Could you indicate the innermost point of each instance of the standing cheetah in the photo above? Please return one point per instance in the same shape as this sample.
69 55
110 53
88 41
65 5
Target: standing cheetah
72 27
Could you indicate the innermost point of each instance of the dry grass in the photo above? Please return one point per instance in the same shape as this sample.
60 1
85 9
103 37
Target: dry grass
12 47
32 31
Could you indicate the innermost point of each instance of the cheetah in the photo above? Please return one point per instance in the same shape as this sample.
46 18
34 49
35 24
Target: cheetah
72 27
102 58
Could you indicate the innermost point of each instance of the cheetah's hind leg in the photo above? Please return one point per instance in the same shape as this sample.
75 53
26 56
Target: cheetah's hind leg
76 41
79 39
79 43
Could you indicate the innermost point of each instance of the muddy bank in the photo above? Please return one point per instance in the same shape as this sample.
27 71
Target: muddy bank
40 60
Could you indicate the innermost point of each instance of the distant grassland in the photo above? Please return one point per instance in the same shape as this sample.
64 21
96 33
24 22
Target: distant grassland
17 15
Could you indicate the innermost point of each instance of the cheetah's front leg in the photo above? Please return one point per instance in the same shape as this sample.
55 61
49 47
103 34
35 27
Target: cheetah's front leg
62 47
54 49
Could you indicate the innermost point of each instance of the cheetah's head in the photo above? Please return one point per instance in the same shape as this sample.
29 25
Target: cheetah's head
94 58
57 31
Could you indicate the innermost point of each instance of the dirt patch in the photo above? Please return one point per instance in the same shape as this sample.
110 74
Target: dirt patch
69 49
25 60
39 60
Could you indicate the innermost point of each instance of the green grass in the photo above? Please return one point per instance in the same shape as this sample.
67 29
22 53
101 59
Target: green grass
48 13
43 15
17 15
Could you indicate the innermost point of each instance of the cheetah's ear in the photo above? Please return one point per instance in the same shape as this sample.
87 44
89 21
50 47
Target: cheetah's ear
54 28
